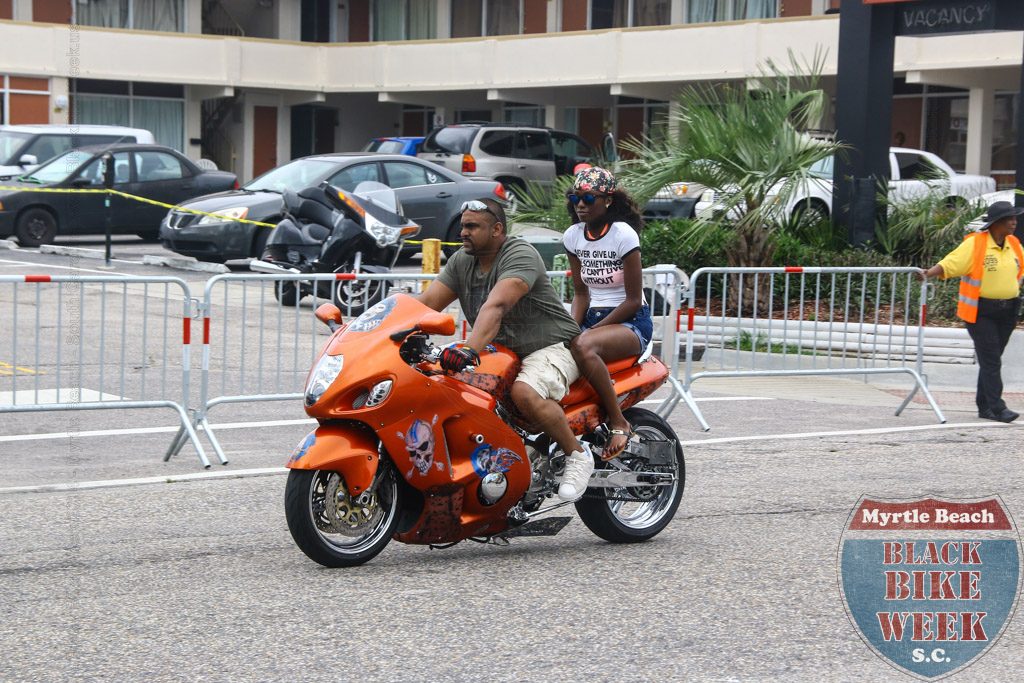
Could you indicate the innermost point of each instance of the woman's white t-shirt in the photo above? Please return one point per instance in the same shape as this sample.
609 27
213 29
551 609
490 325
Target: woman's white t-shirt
601 261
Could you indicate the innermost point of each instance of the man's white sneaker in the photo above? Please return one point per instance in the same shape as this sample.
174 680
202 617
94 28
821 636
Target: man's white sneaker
579 465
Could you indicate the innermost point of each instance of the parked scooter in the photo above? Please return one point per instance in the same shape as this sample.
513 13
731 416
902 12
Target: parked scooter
407 451
327 230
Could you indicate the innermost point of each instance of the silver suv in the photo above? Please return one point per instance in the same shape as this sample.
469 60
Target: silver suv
509 153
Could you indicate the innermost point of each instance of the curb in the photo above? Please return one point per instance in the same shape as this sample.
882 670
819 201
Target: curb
81 252
8 244
185 263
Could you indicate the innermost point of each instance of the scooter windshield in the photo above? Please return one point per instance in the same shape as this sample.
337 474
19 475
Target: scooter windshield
379 200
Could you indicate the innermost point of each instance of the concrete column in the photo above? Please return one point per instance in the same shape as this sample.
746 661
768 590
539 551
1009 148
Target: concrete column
59 89
443 114
980 108
676 15
193 123
444 19
284 134
21 10
286 19
553 115
553 18
673 121
194 16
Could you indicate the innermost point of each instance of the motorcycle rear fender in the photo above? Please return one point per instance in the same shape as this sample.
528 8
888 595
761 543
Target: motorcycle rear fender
347 449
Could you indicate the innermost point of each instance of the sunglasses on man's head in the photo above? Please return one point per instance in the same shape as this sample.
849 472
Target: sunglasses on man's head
477 205
587 198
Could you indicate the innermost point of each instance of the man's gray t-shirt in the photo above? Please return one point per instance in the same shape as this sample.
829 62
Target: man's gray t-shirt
537 320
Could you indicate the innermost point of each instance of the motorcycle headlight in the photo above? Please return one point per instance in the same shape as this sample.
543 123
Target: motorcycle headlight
326 371
385 235
237 212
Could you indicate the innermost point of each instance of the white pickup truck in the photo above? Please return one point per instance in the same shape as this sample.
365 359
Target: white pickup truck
914 173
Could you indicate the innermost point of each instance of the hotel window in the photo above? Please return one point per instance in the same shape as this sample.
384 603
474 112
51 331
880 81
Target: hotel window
404 20
523 114
150 15
156 107
472 18
24 100
624 13
701 11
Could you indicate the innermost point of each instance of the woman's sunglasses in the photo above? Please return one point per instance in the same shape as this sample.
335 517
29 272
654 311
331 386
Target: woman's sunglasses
588 198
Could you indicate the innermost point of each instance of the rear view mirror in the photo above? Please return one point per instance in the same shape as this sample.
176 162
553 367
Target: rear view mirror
28 160
330 315
438 323
81 182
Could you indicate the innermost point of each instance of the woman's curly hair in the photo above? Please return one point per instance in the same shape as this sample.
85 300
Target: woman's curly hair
623 209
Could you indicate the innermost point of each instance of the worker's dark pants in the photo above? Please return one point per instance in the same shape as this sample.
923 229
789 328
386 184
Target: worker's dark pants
991 332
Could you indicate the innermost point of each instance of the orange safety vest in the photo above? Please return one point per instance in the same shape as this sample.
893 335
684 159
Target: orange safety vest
970 284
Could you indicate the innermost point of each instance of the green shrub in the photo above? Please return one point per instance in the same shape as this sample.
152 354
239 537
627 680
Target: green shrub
685 243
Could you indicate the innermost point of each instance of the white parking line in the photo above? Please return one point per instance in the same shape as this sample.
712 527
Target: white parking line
271 471
50 265
714 398
143 481
247 425
149 430
849 432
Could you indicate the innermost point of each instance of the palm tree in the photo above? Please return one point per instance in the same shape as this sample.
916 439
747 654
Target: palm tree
748 143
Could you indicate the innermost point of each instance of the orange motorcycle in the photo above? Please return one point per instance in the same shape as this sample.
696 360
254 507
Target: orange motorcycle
406 451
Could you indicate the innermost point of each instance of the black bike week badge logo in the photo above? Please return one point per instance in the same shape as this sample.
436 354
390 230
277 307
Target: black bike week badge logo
930 584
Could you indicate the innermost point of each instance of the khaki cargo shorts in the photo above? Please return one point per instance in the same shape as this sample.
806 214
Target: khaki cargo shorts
550 371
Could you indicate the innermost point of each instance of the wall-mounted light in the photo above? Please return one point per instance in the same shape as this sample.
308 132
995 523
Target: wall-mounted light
60 103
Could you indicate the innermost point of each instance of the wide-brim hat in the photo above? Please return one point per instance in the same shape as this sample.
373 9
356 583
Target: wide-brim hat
1000 210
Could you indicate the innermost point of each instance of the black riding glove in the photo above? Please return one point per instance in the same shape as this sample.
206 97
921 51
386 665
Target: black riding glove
457 359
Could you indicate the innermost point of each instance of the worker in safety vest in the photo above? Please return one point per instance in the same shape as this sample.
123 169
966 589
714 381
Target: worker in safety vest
990 265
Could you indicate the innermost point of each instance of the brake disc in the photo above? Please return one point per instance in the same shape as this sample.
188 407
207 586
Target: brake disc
346 515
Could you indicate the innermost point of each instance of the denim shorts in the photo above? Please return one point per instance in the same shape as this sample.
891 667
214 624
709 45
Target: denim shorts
641 323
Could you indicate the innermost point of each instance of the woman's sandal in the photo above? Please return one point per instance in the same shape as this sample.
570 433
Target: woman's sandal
630 436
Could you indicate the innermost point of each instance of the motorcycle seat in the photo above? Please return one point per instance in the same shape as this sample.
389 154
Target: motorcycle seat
316 232
581 389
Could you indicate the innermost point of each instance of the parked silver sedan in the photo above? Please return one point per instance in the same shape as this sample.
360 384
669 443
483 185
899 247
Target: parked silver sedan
431 196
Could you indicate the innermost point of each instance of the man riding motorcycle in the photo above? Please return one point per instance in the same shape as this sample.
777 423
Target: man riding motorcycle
504 291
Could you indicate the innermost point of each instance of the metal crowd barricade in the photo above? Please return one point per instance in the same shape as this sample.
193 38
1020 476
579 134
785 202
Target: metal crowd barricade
769 322
266 355
137 356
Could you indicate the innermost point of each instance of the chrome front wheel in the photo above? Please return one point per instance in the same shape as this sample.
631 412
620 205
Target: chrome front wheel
332 526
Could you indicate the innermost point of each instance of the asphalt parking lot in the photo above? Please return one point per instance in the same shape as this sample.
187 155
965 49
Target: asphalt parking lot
117 565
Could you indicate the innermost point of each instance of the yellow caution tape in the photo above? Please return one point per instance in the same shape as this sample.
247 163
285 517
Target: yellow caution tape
443 244
62 190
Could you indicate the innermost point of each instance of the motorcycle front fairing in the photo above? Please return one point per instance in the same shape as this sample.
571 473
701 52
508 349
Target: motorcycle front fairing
350 239
442 435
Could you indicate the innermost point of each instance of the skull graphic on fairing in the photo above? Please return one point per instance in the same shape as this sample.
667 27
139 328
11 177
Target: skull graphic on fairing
419 442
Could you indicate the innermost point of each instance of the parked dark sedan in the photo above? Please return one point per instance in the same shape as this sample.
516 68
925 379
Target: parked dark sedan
430 196
149 171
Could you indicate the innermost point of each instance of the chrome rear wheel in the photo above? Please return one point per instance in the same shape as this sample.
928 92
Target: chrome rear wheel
638 513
